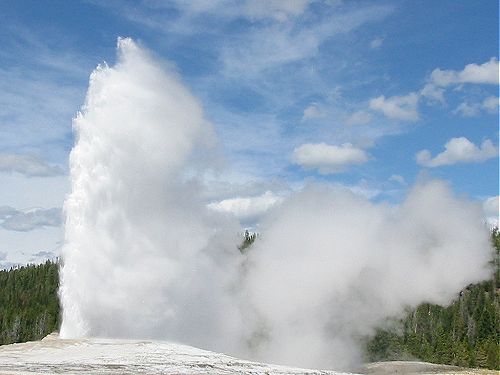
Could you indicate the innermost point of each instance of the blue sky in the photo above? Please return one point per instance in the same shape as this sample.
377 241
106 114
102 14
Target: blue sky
344 92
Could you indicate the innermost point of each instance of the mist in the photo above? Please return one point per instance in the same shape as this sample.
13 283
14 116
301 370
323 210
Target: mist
144 257
331 266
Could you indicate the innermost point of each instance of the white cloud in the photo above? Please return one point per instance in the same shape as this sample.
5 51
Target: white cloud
17 191
433 92
28 165
328 158
490 104
247 209
312 112
27 220
491 211
359 118
458 150
397 107
467 110
398 178
486 73
376 43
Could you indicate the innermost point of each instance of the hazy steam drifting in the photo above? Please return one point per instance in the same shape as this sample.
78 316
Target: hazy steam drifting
145 258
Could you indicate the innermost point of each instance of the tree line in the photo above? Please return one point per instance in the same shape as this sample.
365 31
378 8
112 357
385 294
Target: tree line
29 305
466 333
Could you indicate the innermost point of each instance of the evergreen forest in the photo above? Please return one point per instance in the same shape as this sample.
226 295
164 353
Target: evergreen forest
29 305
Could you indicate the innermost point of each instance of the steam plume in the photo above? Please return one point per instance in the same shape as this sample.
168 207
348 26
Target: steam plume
144 257
331 266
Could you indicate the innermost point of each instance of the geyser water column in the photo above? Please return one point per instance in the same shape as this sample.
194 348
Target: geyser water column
142 255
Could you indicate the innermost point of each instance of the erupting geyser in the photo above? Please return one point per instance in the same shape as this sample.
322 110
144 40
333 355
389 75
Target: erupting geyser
142 257
145 258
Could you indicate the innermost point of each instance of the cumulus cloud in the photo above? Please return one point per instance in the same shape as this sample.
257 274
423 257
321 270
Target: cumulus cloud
397 107
439 79
491 211
28 165
247 209
359 118
328 159
458 150
486 73
27 220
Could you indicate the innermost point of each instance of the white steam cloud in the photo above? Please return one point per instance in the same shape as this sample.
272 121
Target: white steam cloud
145 257
142 257
331 266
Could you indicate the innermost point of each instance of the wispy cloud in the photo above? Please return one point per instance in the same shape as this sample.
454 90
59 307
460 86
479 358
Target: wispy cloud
376 43
275 9
359 118
28 165
398 178
312 112
27 220
458 150
269 46
41 81
470 109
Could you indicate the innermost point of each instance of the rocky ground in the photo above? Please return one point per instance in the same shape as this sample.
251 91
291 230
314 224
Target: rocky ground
105 356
